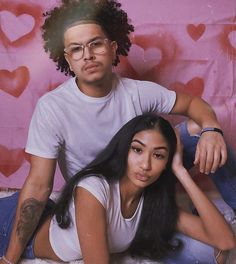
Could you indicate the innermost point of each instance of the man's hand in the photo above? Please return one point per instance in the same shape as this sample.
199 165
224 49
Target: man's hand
211 152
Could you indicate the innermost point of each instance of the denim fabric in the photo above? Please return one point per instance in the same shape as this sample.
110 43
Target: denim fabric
192 252
224 178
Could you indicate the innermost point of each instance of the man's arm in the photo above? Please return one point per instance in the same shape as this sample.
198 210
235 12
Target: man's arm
32 200
211 149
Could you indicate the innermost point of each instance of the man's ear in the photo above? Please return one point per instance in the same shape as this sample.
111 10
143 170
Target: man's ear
114 48
68 61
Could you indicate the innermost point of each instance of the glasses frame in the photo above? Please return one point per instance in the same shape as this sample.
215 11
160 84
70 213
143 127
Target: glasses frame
83 46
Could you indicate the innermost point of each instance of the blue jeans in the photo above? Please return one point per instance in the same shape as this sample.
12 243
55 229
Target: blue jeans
224 178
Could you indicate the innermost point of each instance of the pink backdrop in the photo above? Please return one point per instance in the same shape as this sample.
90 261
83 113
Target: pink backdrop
185 45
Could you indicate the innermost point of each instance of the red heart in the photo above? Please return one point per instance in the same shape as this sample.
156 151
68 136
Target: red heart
195 32
153 48
14 82
194 87
11 13
228 41
10 160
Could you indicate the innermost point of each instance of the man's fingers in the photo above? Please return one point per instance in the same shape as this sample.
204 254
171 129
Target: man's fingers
216 161
197 156
223 157
202 161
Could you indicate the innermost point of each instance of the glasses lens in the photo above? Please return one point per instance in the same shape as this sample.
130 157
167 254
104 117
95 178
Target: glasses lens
98 46
76 52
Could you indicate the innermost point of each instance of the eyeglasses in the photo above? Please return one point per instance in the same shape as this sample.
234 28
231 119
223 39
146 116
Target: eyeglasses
98 46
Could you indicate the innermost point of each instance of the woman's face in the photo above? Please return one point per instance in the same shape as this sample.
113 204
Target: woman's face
147 158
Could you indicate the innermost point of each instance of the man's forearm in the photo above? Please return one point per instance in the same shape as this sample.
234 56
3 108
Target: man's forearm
201 112
27 218
196 109
29 215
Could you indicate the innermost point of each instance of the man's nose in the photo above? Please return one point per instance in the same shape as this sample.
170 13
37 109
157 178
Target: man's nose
88 54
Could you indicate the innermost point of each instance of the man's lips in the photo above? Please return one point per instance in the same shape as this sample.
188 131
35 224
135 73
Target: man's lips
90 67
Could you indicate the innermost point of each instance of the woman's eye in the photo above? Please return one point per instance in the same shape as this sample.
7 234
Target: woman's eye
136 149
159 156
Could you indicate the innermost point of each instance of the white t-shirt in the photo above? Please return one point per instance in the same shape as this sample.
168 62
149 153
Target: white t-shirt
74 128
120 230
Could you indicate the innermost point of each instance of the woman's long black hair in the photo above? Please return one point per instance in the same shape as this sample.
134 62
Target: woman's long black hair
160 213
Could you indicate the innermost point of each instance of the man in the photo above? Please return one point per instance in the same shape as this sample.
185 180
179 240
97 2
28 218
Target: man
75 121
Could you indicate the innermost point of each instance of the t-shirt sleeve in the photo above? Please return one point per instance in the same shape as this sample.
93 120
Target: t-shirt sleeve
155 98
98 187
43 138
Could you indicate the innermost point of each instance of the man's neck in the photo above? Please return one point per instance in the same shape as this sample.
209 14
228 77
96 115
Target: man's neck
96 89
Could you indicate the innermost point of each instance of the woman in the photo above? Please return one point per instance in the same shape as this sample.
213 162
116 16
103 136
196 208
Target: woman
125 200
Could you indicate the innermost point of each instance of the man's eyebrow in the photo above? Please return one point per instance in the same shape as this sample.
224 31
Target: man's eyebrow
81 44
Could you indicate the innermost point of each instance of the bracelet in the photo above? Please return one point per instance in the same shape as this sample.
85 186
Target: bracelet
212 129
6 260
217 256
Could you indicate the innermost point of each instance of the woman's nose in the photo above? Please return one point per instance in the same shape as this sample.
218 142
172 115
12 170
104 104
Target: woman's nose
146 163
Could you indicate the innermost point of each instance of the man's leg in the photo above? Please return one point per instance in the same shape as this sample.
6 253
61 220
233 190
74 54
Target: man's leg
192 252
224 178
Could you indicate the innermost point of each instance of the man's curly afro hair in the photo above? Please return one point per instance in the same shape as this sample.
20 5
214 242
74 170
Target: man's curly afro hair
106 13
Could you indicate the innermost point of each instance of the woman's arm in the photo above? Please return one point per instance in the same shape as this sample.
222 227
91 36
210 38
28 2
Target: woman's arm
91 227
210 226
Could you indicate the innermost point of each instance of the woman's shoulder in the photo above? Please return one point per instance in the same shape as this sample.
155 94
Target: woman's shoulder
98 186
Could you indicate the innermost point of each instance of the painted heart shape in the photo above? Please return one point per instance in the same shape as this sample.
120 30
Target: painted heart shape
143 60
228 41
195 32
10 160
25 24
14 83
18 22
232 38
194 87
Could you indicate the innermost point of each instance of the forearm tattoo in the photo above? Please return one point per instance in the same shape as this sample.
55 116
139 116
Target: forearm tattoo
30 213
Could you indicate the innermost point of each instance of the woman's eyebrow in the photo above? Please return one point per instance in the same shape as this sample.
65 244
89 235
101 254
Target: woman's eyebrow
140 142
155 148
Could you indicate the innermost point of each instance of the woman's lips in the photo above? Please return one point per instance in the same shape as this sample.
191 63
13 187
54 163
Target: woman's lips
141 177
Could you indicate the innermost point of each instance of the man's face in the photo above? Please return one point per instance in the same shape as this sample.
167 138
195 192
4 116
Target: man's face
89 53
